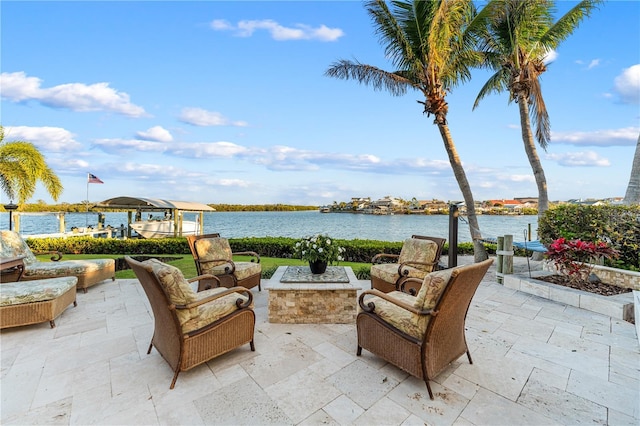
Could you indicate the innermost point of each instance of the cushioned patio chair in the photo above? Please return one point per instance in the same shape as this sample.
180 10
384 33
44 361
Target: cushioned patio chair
419 256
212 255
192 328
89 272
420 334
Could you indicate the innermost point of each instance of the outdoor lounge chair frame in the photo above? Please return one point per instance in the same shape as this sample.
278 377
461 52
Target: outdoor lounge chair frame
444 340
185 351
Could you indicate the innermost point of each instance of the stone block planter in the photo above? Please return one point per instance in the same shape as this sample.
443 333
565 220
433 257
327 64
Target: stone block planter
620 306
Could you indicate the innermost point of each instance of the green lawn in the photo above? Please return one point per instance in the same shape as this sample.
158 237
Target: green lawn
188 267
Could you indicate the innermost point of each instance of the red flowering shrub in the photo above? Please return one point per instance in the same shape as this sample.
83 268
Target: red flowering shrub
575 258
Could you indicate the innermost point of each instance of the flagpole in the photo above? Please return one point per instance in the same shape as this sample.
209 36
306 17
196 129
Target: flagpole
86 215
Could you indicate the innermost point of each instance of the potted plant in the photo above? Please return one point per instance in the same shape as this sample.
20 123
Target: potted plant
320 251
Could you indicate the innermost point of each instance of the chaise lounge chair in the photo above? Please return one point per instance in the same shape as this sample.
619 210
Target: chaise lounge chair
88 272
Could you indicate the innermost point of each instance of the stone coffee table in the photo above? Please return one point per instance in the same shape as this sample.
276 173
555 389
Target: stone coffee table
296 296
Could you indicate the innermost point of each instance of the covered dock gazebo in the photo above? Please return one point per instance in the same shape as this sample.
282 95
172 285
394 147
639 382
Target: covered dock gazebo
135 204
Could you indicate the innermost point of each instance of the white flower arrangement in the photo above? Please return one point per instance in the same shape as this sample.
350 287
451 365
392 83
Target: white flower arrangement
318 248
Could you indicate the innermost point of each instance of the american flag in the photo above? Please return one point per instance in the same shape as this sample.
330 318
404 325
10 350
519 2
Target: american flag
94 179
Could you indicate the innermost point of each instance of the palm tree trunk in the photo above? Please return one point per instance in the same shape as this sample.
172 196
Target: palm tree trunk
632 196
532 154
479 251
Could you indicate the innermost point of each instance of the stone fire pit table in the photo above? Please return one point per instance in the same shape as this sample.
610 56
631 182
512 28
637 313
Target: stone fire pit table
296 296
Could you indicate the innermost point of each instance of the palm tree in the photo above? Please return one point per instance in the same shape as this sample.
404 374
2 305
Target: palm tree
517 37
632 196
22 166
427 43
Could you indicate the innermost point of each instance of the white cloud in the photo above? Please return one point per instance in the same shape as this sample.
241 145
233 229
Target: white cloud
246 28
627 85
207 150
579 159
156 133
50 139
74 96
594 63
117 146
613 137
202 117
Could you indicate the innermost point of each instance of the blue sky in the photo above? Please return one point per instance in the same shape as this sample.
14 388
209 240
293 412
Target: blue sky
227 102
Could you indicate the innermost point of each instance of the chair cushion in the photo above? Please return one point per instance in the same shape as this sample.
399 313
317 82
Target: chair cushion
213 310
177 288
405 321
389 272
21 292
212 248
12 245
418 250
432 287
67 267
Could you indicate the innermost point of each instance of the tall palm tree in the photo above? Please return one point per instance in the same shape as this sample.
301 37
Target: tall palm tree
427 43
632 196
22 166
517 36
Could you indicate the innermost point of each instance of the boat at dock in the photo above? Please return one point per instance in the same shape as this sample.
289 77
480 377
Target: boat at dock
164 228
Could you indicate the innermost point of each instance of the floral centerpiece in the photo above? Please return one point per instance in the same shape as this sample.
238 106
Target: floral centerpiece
319 251
574 258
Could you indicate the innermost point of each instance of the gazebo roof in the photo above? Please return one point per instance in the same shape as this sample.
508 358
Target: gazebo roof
137 203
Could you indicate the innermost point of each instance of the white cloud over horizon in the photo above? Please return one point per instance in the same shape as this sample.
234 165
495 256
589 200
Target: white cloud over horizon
203 118
18 87
611 137
579 159
246 28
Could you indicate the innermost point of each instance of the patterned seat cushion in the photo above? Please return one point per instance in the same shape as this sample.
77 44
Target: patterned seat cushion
12 245
67 267
418 250
219 248
405 321
389 272
21 292
213 248
432 287
177 288
213 310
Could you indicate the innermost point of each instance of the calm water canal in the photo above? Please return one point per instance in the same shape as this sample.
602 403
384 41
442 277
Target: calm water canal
300 224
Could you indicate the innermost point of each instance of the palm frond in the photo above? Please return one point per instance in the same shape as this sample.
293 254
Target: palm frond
369 75
540 115
569 22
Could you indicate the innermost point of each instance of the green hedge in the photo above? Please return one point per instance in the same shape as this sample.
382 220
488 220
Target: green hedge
619 226
280 247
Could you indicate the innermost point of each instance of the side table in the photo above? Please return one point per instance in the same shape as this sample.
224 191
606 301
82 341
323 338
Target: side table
11 269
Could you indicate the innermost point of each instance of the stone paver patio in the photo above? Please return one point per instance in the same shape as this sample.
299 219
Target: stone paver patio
535 362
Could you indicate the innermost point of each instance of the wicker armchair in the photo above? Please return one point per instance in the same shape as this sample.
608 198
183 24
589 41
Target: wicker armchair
419 256
212 255
88 272
421 334
192 328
